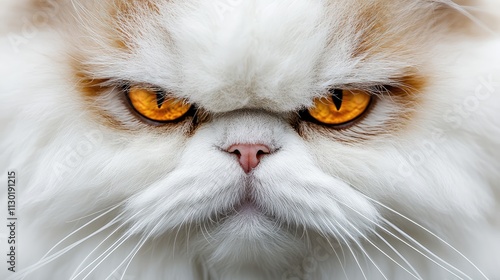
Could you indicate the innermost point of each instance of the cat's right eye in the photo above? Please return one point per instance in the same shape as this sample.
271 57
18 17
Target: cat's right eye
157 105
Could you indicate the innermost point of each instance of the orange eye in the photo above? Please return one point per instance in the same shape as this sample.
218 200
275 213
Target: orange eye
341 107
157 106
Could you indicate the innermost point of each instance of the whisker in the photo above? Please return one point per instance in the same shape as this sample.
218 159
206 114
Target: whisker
334 233
361 247
408 237
49 259
187 240
202 232
396 252
428 231
353 254
177 233
110 209
97 212
335 252
134 250
132 254
304 232
409 245
341 248
420 252
139 246
104 256
99 245
382 251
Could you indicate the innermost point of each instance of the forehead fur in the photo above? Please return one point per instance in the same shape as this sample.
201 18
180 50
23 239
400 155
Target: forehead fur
274 55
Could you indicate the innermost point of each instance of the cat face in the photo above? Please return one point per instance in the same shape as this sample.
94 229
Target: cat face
250 73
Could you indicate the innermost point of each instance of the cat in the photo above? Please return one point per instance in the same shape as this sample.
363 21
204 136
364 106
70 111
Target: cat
232 139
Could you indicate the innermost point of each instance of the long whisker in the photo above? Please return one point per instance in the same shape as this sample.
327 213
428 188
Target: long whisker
424 255
428 231
334 232
97 212
396 252
104 255
109 209
61 252
187 240
99 245
341 247
136 249
352 252
408 237
132 254
177 233
335 252
409 245
361 247
382 251
203 233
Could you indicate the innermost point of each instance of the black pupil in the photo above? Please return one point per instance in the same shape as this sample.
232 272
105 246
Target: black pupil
337 97
160 98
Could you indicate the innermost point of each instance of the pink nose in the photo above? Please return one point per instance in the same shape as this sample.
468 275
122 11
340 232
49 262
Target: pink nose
249 155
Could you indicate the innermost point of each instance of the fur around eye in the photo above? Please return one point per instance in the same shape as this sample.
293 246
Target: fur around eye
340 107
157 105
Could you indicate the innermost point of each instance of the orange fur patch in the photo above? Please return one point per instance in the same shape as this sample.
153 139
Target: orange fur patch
90 89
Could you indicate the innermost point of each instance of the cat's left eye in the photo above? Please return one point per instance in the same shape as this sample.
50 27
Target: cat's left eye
157 105
340 107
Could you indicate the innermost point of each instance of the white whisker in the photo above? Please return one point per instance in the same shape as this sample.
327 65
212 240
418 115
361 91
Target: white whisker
352 252
428 231
99 245
49 259
132 257
129 257
112 207
80 228
408 237
361 247
202 232
104 256
382 251
409 245
177 233
397 253
336 254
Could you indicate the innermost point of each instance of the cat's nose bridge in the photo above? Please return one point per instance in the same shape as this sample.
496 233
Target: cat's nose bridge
250 127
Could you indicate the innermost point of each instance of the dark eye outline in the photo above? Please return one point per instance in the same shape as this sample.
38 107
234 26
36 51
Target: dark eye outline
160 98
337 95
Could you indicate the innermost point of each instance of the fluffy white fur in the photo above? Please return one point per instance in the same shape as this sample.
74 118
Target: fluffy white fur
418 200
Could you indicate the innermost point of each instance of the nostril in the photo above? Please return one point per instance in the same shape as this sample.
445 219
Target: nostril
261 153
236 152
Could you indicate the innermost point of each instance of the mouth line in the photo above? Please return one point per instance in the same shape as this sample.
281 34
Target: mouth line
246 203
244 206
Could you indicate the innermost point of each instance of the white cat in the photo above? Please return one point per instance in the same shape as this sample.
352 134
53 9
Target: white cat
258 139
